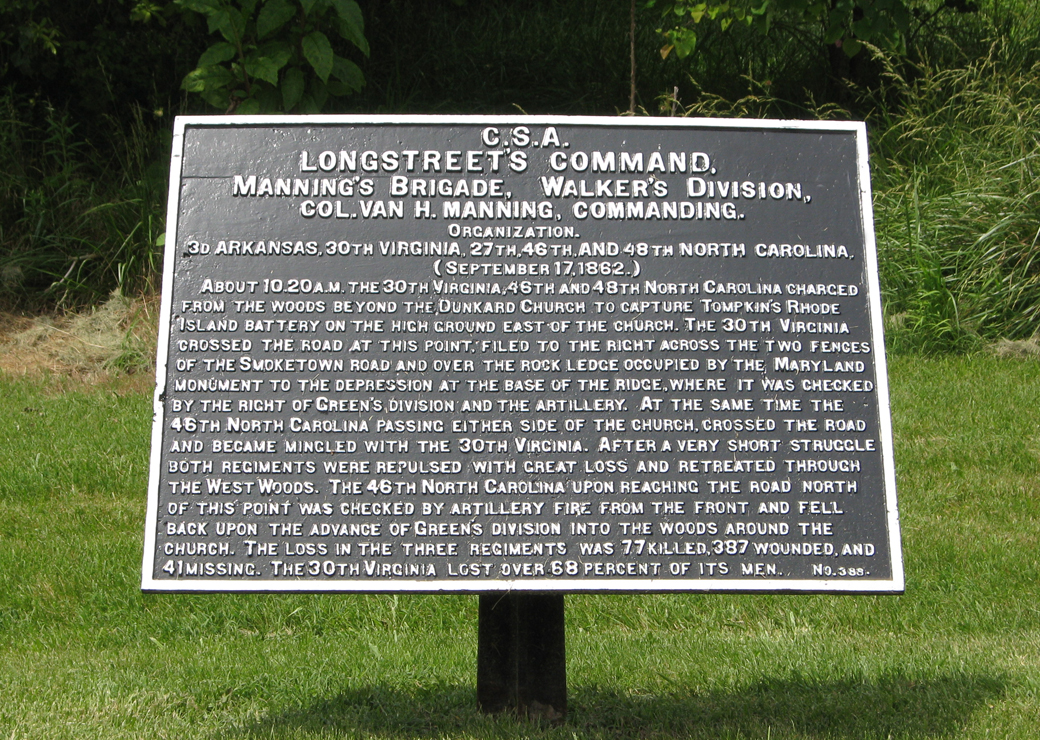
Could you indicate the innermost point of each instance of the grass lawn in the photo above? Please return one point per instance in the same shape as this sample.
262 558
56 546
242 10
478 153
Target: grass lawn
83 654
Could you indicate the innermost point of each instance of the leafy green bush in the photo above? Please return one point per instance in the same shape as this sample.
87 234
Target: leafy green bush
275 56
851 23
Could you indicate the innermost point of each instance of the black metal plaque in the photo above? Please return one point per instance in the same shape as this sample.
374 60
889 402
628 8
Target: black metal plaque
547 354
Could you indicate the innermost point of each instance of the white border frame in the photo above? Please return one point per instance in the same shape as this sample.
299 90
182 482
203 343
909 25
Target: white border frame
652 585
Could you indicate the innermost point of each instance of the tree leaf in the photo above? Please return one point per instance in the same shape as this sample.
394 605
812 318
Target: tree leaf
292 87
274 15
229 22
866 28
684 40
307 6
851 47
220 21
219 52
351 23
901 17
318 93
219 99
206 7
202 79
348 73
238 21
248 107
211 83
266 67
318 51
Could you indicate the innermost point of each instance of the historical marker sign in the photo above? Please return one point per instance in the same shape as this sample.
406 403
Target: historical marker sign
477 354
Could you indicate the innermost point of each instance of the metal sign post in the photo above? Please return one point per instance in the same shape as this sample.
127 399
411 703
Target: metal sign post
521 655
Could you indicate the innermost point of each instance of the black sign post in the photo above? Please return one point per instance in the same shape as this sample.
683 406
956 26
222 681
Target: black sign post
521 655
520 356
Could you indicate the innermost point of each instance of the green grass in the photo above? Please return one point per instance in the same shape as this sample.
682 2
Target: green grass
83 654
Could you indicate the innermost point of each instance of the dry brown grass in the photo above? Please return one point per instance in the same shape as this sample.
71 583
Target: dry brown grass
111 343
1023 348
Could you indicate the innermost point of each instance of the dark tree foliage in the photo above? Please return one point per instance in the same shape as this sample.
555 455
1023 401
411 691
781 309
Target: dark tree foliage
97 59
277 56
89 88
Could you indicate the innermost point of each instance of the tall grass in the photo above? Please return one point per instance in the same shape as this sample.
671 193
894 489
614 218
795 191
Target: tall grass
76 223
958 200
